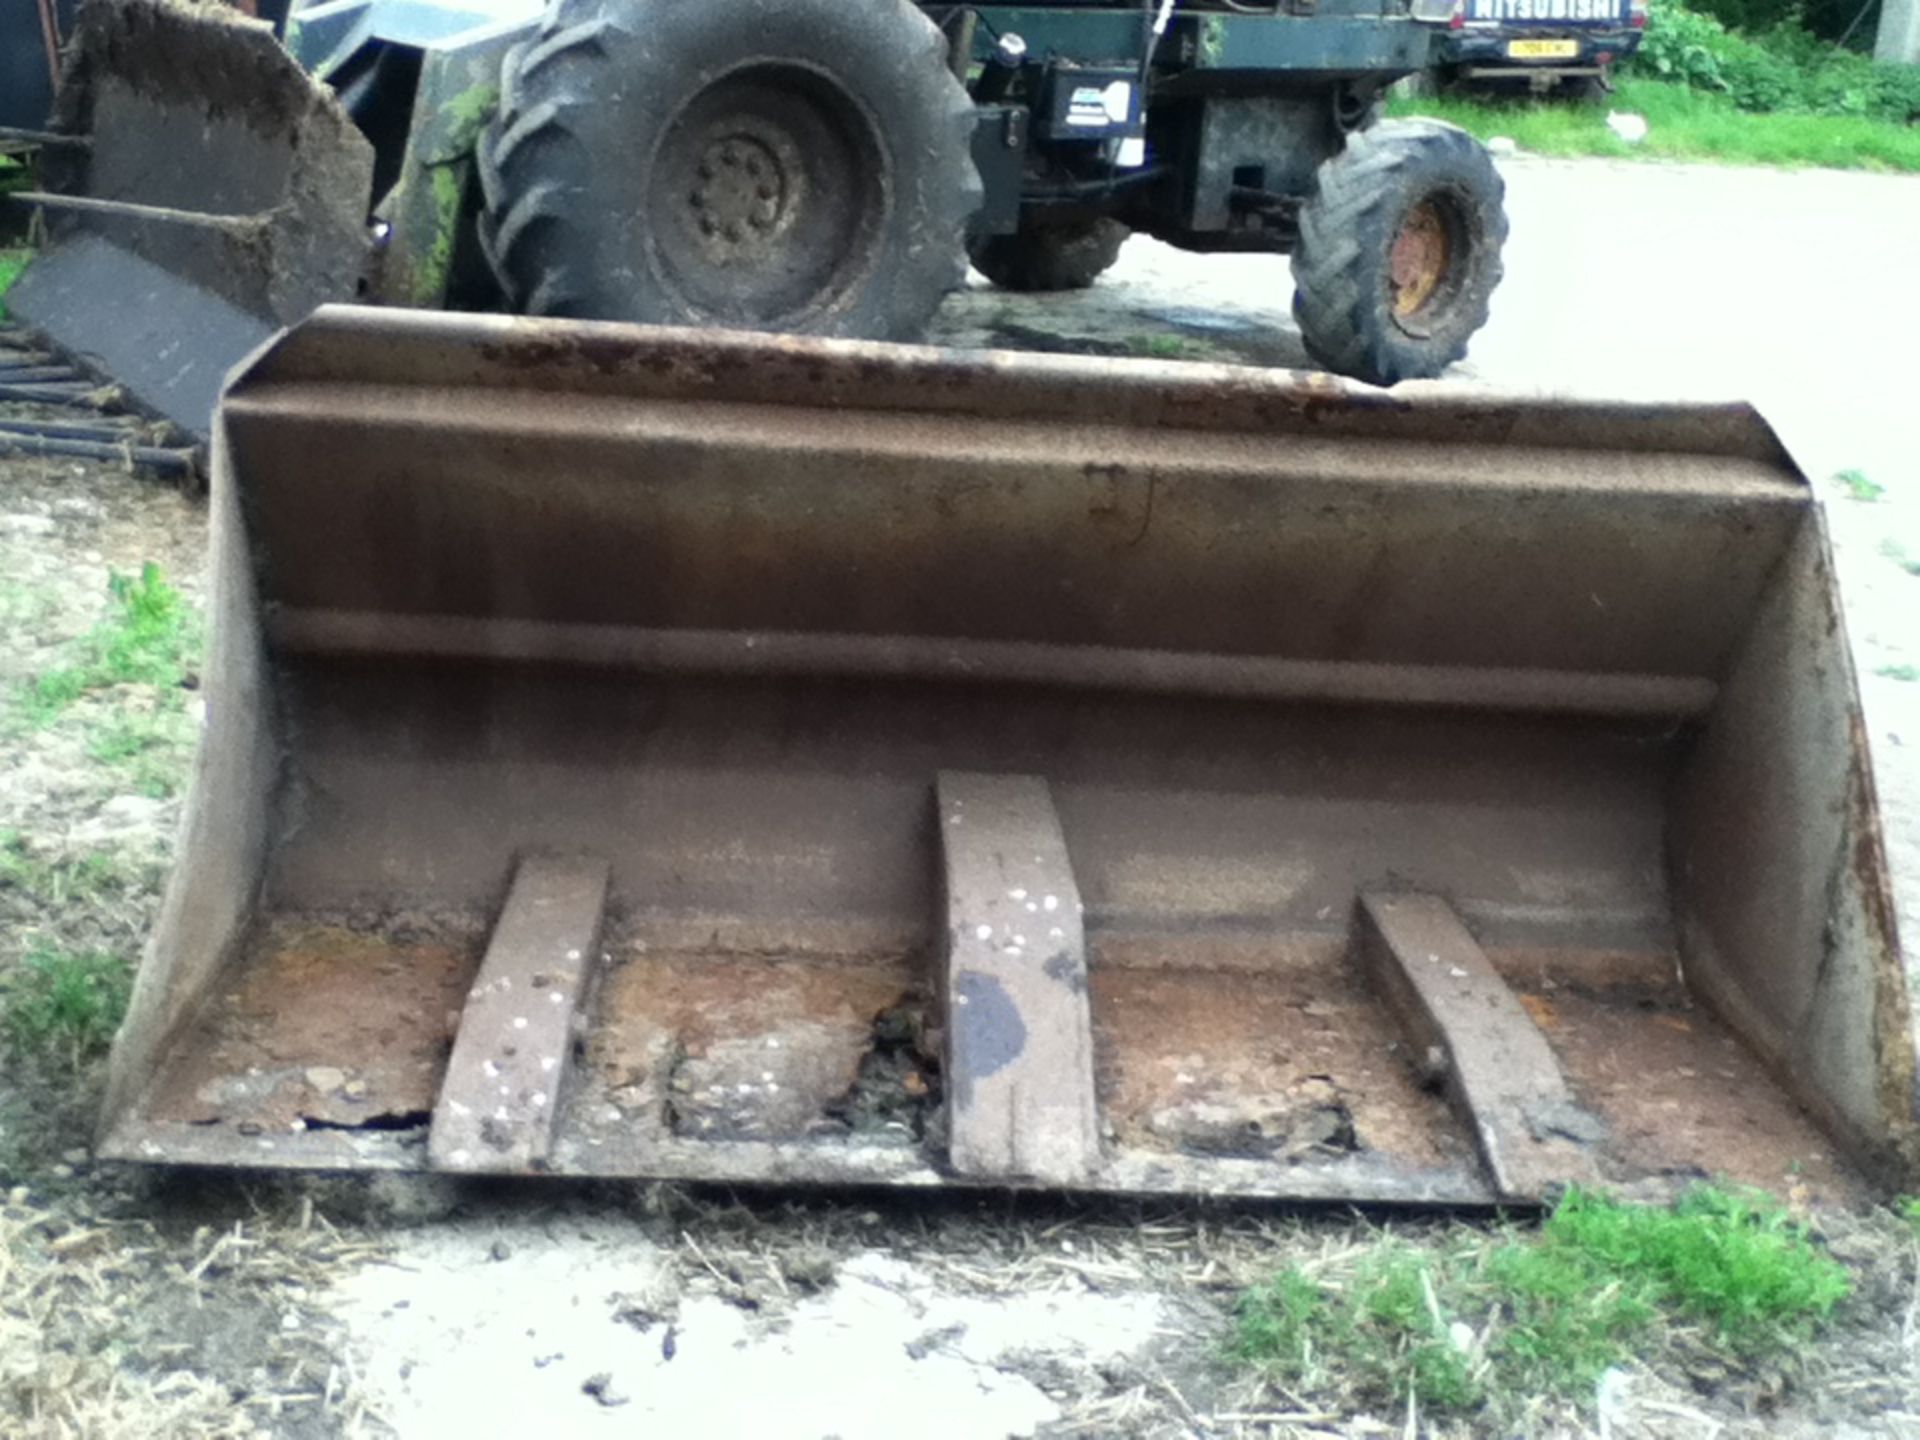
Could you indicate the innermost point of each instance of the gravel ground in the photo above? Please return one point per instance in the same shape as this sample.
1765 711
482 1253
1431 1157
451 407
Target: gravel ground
138 1307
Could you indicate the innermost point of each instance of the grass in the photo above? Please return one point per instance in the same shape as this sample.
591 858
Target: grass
1164 347
150 637
61 1000
64 1005
147 746
1683 124
13 258
1859 485
1483 1327
56 884
1387 1330
1899 672
12 262
139 660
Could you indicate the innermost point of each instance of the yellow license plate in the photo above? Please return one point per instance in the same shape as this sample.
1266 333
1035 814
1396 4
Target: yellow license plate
1542 49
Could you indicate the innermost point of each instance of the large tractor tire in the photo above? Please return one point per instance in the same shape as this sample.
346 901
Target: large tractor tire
1051 257
796 165
1399 251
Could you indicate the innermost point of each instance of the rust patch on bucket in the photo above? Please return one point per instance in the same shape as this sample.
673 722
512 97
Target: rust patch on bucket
323 1025
1681 1097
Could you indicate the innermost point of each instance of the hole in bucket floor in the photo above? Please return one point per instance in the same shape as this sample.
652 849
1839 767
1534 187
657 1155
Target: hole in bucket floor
324 1024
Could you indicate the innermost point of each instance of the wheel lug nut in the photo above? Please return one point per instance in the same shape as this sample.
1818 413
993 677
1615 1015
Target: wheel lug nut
734 231
764 191
708 225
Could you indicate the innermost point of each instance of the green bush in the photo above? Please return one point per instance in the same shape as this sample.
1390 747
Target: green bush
1829 19
1783 69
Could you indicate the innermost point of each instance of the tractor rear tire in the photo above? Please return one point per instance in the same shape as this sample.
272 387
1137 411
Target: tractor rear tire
794 165
1051 257
1399 251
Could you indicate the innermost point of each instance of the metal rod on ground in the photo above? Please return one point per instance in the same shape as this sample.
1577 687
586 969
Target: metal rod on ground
169 462
38 374
93 205
110 431
43 137
74 393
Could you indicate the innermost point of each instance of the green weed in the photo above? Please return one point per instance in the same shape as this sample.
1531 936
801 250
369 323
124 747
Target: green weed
64 1005
1859 485
151 637
1162 347
12 262
1899 672
1735 1260
1485 1326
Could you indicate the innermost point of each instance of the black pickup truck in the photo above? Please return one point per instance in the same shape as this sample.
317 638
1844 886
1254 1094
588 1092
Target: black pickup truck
1539 45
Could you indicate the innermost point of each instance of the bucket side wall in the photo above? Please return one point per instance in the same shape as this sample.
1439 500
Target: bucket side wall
223 837
1779 873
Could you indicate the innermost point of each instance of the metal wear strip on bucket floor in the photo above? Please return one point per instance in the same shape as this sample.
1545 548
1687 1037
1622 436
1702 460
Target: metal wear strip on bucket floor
1498 1069
1020 1093
501 1094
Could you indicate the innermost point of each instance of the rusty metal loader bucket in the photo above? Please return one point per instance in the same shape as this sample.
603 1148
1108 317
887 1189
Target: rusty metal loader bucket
654 753
207 193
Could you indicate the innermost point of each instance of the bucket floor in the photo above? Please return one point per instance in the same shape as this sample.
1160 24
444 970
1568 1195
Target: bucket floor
1224 1064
